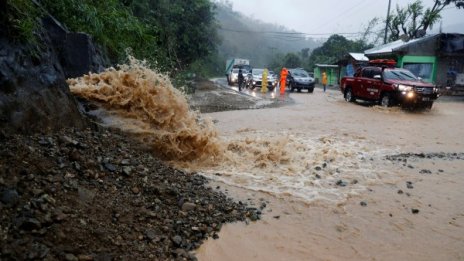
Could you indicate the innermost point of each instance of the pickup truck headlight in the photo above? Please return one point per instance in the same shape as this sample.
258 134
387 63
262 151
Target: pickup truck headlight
404 88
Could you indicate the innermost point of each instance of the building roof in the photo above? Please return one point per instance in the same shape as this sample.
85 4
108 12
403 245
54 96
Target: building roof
395 46
326 65
359 57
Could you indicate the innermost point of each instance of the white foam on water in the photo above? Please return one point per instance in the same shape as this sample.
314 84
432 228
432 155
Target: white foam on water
300 166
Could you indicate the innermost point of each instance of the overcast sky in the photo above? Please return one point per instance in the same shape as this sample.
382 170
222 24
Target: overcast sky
334 16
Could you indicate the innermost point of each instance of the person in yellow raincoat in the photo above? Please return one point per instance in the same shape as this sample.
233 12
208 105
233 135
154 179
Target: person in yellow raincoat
324 80
264 81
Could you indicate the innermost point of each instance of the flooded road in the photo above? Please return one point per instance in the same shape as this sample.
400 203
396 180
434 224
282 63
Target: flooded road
338 195
335 180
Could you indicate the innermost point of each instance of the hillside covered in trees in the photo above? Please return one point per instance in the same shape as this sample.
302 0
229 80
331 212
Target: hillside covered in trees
245 37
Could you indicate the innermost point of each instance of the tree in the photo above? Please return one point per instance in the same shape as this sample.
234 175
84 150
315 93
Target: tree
292 60
186 30
413 20
334 48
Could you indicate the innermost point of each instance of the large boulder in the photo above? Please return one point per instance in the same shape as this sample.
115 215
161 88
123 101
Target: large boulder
34 95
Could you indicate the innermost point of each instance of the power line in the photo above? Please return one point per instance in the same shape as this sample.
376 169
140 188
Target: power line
287 33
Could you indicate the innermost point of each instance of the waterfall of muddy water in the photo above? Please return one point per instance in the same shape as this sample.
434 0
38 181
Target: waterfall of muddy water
144 102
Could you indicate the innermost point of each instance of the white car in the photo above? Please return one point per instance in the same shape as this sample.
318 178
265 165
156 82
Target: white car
257 79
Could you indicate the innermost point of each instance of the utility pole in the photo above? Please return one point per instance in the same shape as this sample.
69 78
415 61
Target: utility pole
388 20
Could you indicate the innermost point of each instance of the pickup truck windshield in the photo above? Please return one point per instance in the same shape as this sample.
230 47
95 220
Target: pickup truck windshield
399 75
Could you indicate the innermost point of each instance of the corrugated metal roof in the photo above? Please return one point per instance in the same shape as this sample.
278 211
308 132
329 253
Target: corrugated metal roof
327 65
359 57
396 45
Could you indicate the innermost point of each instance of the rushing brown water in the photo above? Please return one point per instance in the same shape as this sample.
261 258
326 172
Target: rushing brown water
153 109
144 102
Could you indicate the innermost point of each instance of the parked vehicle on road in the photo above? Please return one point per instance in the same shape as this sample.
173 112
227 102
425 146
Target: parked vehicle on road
257 78
233 64
383 83
299 79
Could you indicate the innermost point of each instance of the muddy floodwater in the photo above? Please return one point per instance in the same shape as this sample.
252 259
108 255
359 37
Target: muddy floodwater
353 182
333 180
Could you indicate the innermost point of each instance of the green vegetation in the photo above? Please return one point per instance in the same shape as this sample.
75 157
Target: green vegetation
18 19
335 48
413 20
330 52
170 34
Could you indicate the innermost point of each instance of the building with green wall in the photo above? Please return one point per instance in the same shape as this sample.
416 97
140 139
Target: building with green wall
437 58
331 70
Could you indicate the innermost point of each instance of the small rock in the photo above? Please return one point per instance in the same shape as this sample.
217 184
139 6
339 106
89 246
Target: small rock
68 141
43 141
29 224
150 234
125 162
363 203
276 217
318 176
126 170
425 171
318 168
180 252
341 183
70 257
400 191
109 167
415 210
410 166
254 216
187 206
177 240
85 257
409 185
9 197
135 190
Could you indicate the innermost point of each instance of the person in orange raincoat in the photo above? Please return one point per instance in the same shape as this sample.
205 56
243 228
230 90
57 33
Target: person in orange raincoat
283 80
324 80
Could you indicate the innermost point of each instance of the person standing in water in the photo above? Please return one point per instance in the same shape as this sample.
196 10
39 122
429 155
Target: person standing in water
324 80
240 80
283 80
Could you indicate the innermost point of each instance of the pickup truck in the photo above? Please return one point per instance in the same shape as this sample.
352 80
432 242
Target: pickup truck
388 86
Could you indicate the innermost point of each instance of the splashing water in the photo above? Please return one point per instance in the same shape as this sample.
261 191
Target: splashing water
144 102
158 113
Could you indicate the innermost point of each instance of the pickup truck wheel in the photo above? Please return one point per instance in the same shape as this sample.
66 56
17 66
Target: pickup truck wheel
299 89
386 100
290 86
310 90
429 105
349 95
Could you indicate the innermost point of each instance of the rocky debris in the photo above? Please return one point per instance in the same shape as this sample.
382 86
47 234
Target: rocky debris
425 171
409 185
415 211
363 203
50 209
439 155
341 183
